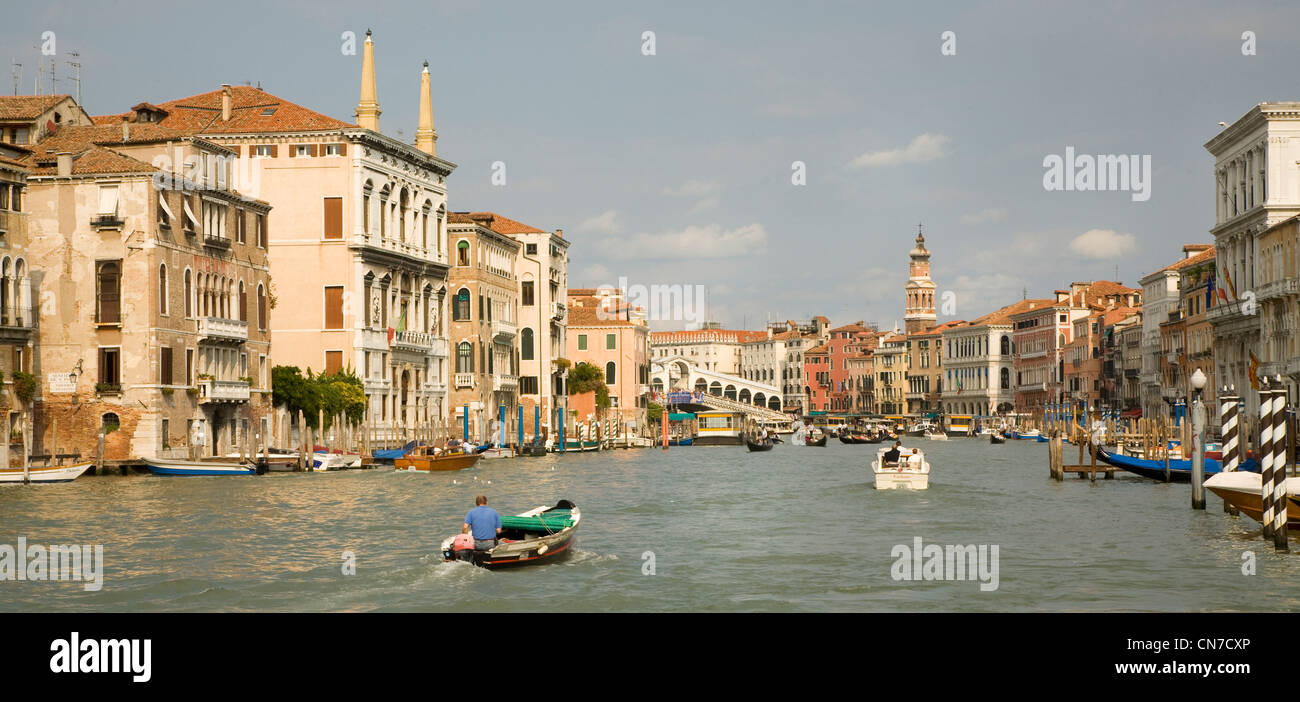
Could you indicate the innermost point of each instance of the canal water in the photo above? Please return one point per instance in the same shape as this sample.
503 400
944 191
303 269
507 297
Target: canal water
714 529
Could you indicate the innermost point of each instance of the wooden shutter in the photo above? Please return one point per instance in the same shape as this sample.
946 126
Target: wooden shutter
274 150
333 218
343 149
333 362
334 307
315 150
165 366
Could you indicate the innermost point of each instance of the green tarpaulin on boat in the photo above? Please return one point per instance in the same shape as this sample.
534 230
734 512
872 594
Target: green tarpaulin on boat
677 416
551 521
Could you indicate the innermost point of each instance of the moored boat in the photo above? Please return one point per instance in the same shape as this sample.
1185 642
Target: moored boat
169 466
579 445
1242 489
816 442
390 455
540 535
997 439
430 458
44 474
911 470
497 452
1180 470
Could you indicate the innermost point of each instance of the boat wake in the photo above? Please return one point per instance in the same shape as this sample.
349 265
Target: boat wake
581 557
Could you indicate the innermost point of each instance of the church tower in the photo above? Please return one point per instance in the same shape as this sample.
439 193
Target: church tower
920 289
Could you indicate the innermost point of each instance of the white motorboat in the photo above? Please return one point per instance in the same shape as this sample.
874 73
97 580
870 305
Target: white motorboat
910 471
44 474
497 452
936 435
322 461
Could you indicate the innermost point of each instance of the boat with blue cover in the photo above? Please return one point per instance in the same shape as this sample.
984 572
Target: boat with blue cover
1180 470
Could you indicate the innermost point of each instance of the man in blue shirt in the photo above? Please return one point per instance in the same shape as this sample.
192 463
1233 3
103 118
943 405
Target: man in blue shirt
483 523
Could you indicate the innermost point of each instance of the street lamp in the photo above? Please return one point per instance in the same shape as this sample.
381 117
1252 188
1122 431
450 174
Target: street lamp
1198 442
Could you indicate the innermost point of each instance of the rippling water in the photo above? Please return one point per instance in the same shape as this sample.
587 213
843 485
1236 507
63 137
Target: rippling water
793 529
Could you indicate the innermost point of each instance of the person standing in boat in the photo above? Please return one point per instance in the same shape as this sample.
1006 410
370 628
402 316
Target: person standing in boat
483 523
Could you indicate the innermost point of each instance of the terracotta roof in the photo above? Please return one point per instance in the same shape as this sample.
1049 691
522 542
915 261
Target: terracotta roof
1003 315
818 349
1110 317
1206 255
591 317
27 107
201 114
853 327
89 146
581 292
499 224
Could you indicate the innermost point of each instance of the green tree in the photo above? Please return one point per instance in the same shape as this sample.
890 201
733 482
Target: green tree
654 411
586 377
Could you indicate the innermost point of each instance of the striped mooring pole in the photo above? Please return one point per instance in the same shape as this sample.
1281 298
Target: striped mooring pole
1228 421
1279 467
1266 458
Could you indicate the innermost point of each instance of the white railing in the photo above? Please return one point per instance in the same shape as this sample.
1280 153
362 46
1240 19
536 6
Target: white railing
558 310
16 316
1278 288
219 328
223 391
501 381
436 386
413 341
464 380
501 328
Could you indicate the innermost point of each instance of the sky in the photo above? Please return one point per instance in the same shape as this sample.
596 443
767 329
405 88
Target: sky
678 166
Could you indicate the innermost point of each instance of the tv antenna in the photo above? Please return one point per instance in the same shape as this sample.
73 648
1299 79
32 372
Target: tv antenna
17 74
75 62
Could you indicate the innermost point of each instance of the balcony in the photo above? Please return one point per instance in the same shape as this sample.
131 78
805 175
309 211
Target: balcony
505 383
223 391
107 220
1278 288
503 330
418 342
219 329
216 242
435 387
558 310
464 380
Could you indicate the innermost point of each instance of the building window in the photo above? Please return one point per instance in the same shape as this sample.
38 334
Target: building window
165 366
243 303
528 385
333 218
108 282
530 249
609 373
333 149
582 342
462 253
302 150
162 289
464 358
241 235
527 293
333 362
264 151
261 231
189 366
334 307
261 307
460 309
109 367
526 344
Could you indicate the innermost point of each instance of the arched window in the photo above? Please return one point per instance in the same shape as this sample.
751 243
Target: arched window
464 358
526 345
189 293
1006 378
609 373
162 288
1006 345
460 309
462 253
110 422
243 302
109 283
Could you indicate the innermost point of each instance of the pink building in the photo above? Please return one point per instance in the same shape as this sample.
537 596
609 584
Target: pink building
606 333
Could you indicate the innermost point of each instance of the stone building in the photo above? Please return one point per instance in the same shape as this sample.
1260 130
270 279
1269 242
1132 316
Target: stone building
153 284
17 314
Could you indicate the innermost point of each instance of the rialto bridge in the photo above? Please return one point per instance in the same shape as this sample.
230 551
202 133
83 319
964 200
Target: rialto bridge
718 390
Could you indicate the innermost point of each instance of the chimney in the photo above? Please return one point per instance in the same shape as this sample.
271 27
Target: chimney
226 98
426 139
126 129
368 107
65 163
559 233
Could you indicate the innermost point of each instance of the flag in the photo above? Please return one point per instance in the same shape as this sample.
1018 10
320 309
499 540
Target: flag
390 336
1231 288
401 322
1254 371
1209 292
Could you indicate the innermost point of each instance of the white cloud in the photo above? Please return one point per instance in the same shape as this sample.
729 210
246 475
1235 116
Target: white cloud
992 214
926 147
978 295
607 222
1103 243
595 275
693 242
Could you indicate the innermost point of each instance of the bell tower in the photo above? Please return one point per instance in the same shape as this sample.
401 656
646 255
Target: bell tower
919 289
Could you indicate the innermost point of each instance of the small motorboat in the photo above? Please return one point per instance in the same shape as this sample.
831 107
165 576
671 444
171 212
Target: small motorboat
577 445
936 435
759 445
533 450
911 470
540 535
426 459
1031 434
169 466
337 459
1242 489
496 452
44 474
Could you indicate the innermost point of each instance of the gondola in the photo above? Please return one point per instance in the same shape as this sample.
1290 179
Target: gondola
819 442
540 535
997 439
853 438
759 445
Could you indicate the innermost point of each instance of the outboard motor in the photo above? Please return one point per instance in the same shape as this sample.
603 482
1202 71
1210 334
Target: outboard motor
463 547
